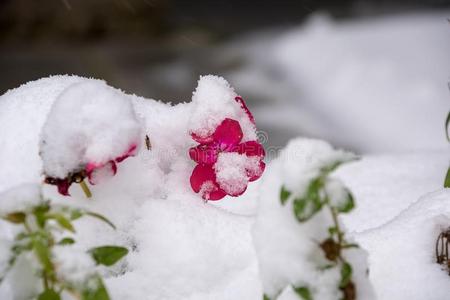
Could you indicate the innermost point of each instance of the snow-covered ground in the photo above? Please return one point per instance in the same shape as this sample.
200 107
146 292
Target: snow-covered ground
352 83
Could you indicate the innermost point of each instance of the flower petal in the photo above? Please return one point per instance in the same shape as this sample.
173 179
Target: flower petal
202 140
203 181
130 152
204 154
63 187
228 134
97 172
251 148
241 101
62 184
256 173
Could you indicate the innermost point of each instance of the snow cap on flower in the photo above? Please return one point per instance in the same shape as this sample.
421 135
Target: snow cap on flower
90 128
213 101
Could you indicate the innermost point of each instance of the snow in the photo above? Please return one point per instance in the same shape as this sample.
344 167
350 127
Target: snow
23 111
89 122
303 159
19 198
167 227
231 171
385 185
75 266
350 82
403 263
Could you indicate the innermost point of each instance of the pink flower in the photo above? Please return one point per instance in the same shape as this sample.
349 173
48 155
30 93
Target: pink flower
92 170
225 165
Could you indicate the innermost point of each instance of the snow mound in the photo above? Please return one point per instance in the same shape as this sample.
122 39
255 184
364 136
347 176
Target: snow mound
188 250
385 185
179 246
402 252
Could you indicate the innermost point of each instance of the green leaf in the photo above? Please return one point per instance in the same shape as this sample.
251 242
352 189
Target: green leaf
284 195
108 255
49 295
62 221
99 291
265 297
347 205
447 179
75 214
40 212
43 254
346 275
303 292
447 121
17 217
66 241
100 217
306 207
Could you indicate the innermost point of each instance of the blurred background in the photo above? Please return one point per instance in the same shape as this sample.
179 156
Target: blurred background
367 75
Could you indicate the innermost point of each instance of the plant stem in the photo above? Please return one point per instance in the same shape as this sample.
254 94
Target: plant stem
85 188
336 224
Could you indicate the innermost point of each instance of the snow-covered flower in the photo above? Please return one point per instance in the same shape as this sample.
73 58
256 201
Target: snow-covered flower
90 128
225 165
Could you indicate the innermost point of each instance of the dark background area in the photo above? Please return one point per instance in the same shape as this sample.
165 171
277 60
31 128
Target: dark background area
129 42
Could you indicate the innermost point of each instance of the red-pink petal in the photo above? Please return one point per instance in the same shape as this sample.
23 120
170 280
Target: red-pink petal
251 148
256 174
228 134
95 172
63 187
130 152
204 154
202 140
203 180
241 101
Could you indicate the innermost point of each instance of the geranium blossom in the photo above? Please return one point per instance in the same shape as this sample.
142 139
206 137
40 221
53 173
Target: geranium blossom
92 170
225 164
